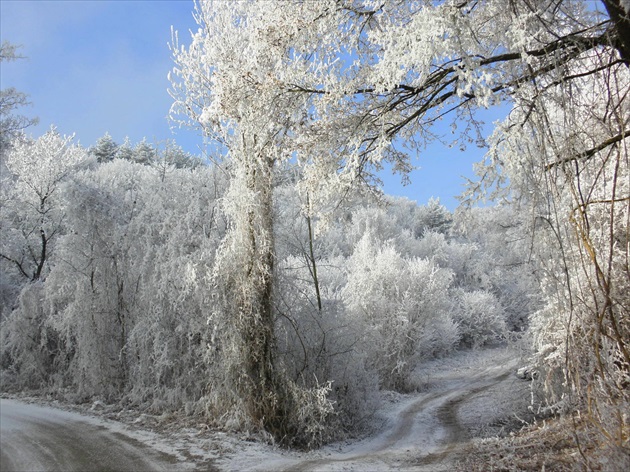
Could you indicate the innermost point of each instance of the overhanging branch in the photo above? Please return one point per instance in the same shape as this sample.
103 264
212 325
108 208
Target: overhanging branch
591 152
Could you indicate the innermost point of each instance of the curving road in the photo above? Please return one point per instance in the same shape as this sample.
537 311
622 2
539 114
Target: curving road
425 432
35 438
425 435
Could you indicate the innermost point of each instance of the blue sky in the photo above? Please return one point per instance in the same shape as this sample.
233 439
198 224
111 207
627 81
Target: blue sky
97 66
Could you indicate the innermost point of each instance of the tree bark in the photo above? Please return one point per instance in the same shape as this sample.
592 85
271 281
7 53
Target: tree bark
621 20
248 289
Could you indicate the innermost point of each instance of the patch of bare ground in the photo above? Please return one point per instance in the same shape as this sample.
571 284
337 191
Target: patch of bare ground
560 444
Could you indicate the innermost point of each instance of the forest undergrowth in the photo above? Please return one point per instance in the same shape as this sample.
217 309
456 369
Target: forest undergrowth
557 443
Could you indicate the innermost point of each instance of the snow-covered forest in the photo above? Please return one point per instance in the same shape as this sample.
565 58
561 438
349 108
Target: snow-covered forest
274 287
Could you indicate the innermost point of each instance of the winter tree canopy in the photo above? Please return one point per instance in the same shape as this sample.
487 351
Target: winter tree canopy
32 211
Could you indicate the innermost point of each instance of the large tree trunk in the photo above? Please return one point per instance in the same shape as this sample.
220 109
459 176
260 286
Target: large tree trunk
256 307
245 278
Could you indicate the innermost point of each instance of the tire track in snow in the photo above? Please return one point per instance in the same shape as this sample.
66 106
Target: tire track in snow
426 433
457 434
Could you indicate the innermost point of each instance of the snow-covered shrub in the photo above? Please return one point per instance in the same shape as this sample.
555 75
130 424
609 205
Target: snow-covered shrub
316 346
404 303
28 348
179 231
491 251
480 318
92 289
403 224
432 245
10 285
310 413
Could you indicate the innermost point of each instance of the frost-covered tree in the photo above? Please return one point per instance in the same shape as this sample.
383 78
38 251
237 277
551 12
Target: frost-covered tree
172 156
316 338
368 72
213 87
105 149
125 150
31 220
435 216
11 124
127 294
144 152
491 250
564 148
32 215
175 156
568 165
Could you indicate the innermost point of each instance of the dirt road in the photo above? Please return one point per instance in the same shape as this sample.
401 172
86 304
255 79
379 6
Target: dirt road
426 431
459 397
35 438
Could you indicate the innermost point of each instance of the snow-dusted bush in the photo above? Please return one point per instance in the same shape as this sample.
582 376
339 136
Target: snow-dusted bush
491 251
480 318
433 245
28 348
402 223
316 346
405 305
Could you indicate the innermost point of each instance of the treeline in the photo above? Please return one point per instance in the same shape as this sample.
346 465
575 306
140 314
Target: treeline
143 152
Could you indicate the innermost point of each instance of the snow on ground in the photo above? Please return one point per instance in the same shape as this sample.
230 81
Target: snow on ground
40 438
469 393
472 393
